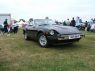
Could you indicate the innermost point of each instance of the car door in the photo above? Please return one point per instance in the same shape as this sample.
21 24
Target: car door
32 31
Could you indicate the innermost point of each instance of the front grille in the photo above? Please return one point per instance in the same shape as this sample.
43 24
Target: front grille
67 41
67 35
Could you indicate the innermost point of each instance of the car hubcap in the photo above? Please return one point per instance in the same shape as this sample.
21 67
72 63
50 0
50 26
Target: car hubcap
43 40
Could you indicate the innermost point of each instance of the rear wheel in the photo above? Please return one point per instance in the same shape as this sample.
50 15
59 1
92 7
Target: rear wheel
42 40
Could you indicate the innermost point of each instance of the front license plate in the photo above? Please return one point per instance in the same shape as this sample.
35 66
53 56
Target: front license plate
74 36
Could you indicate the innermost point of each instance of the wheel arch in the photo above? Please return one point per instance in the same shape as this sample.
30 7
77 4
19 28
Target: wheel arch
39 32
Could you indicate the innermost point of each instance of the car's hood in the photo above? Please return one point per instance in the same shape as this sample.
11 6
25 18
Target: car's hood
64 29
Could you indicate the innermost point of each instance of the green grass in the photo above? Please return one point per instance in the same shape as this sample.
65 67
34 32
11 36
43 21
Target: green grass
17 54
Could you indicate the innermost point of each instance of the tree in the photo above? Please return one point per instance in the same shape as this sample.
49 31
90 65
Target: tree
21 20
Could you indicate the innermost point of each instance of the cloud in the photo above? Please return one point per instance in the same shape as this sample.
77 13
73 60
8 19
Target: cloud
58 9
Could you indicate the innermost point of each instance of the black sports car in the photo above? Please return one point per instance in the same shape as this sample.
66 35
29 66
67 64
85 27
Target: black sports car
46 32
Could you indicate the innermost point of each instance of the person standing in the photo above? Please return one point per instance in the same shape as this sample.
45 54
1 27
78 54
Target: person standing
78 22
73 23
5 26
64 23
15 28
68 22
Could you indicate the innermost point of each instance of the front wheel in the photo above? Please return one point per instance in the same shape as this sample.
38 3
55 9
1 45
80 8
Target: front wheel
42 40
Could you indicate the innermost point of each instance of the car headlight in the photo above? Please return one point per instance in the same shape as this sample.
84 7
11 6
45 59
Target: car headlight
51 32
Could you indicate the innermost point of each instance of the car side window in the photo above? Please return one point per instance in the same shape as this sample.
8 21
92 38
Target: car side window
36 23
31 23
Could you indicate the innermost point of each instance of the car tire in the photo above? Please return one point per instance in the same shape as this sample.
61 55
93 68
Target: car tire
26 37
42 40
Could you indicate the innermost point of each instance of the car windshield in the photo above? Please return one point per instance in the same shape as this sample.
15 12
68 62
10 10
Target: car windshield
41 22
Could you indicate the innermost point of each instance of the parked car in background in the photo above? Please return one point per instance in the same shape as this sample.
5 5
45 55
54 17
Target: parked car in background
46 32
1 28
93 27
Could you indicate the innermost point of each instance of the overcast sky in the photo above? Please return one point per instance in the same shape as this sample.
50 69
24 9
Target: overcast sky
55 9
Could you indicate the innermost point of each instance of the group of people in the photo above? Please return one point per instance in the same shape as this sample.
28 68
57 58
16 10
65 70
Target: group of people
8 28
87 25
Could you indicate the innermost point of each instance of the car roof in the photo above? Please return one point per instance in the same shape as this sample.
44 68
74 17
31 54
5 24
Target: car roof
41 19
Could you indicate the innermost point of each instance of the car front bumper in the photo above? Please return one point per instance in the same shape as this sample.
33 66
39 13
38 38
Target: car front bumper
63 39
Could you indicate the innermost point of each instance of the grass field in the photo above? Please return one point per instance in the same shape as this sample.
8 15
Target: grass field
17 54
